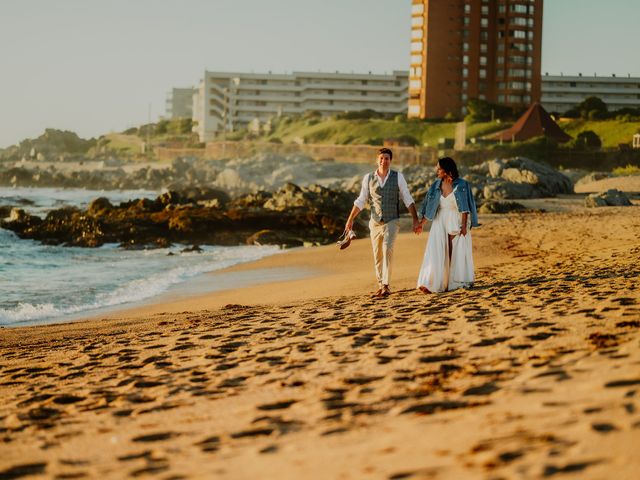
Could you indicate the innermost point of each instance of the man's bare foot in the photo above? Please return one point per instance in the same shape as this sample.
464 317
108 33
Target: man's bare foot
386 291
424 289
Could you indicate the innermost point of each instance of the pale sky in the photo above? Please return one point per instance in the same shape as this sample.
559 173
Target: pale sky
95 66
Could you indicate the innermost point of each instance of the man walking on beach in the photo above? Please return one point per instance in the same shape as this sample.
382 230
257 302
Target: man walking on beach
383 190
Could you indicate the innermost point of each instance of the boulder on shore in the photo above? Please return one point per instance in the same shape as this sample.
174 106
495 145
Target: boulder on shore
610 198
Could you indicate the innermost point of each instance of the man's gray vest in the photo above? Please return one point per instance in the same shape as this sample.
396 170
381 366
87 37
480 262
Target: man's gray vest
385 201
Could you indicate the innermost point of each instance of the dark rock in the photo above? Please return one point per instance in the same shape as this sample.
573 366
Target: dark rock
98 205
292 216
270 237
492 206
610 198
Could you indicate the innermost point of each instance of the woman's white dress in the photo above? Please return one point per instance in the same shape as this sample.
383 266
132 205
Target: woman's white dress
437 273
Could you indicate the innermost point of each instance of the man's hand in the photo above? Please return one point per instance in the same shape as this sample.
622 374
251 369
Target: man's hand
348 226
417 227
463 230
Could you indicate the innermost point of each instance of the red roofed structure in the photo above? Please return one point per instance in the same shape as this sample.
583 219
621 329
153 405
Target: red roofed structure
535 122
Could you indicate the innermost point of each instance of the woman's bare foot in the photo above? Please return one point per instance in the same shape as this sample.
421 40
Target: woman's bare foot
424 289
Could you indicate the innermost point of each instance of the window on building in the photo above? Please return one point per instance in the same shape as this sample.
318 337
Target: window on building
416 59
484 35
517 33
500 60
502 8
465 72
465 47
484 9
518 8
519 21
465 85
466 21
416 46
483 73
465 59
416 33
484 22
529 35
417 21
417 8
483 60
467 8
483 48
500 98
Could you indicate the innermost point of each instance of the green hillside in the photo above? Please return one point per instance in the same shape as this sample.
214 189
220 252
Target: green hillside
611 132
370 131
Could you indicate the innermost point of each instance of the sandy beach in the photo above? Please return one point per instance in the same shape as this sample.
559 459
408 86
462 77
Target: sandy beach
533 373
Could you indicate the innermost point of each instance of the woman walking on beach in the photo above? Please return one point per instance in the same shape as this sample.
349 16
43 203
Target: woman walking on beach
449 205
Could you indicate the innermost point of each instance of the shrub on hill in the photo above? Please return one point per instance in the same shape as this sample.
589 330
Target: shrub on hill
587 139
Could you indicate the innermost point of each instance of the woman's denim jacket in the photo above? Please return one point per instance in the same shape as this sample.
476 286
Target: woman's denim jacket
464 200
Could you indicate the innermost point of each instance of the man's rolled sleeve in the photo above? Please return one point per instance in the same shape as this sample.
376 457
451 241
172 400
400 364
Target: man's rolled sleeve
361 201
407 199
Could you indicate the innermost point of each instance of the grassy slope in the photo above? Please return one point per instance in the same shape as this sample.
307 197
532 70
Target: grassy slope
611 132
371 131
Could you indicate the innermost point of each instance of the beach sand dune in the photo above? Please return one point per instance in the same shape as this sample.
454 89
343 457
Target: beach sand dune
533 373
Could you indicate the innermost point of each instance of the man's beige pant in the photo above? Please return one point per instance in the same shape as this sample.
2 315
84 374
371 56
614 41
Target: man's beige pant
383 236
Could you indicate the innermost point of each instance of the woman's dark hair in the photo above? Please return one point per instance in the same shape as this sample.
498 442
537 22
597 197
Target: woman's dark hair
449 166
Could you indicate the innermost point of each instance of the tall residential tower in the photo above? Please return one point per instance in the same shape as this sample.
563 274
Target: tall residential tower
465 49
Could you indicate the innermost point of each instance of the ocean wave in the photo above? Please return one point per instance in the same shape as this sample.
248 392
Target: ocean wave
135 290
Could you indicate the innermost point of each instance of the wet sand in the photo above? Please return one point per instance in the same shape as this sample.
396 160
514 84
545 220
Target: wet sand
533 373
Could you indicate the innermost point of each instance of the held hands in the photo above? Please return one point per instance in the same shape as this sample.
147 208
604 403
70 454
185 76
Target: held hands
463 230
417 226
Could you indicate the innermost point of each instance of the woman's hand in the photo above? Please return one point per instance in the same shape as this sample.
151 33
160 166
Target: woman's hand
463 230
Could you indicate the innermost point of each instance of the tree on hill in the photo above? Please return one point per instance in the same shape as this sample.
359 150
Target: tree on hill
483 111
591 108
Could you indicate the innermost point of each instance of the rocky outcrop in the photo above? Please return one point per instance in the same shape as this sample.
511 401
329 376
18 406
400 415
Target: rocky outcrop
610 198
290 216
523 178
235 176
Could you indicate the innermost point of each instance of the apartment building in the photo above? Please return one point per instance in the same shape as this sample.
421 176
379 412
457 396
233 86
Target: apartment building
227 101
562 92
464 49
179 103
